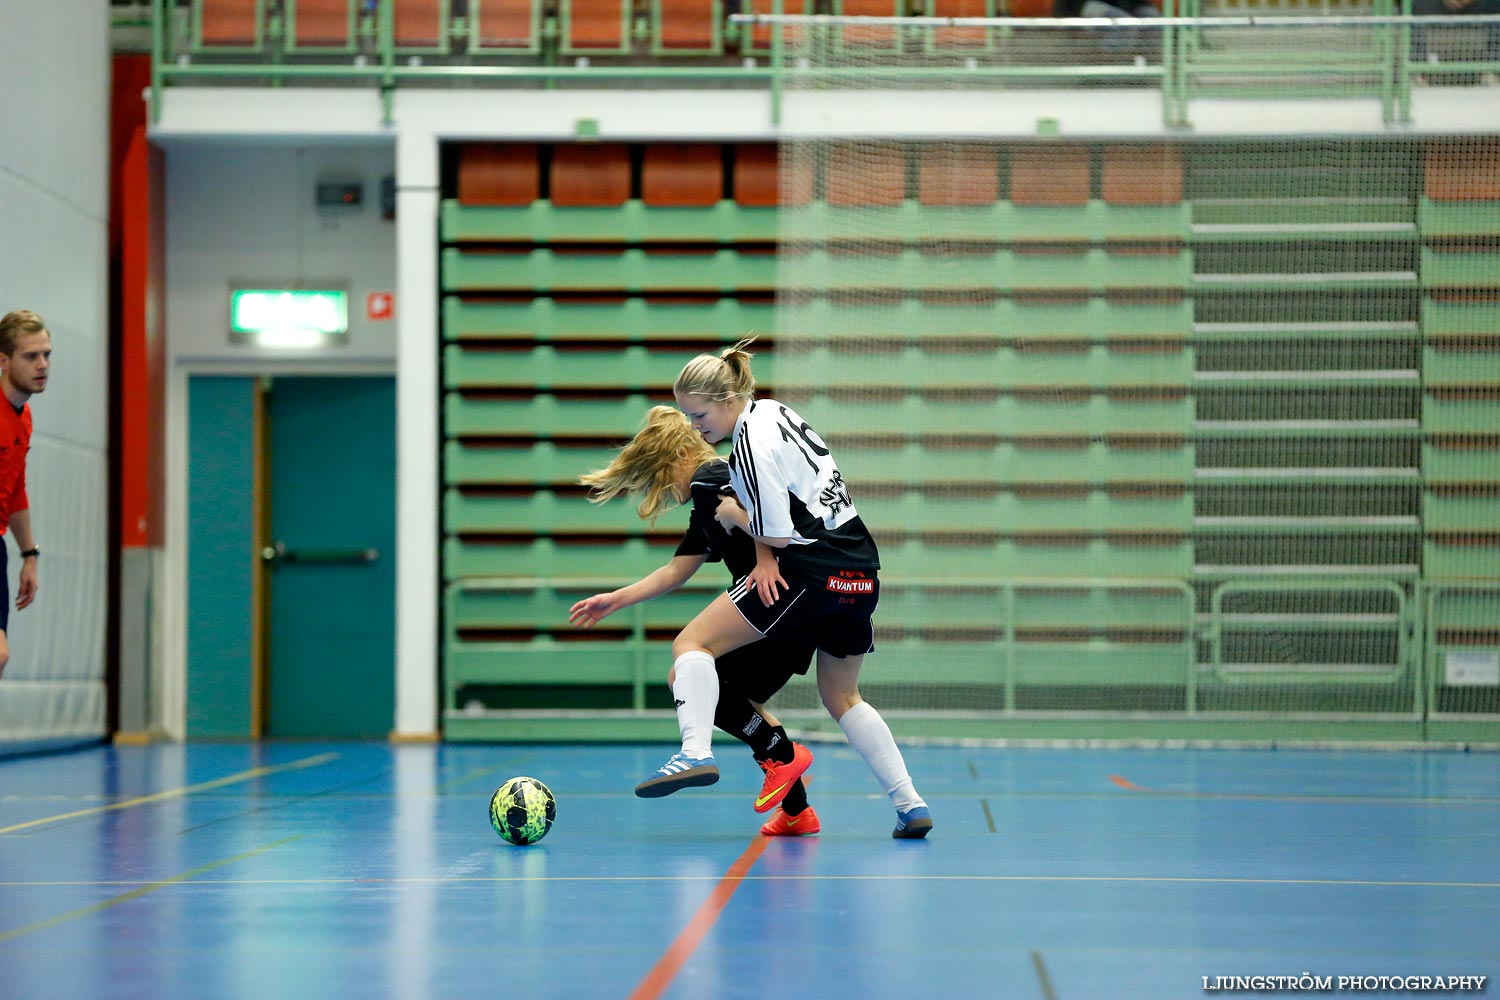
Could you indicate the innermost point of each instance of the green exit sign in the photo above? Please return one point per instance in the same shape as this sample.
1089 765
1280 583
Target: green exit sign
280 317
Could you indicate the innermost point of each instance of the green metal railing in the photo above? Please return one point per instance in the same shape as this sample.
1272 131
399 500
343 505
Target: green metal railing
1482 621
1378 63
632 660
1402 622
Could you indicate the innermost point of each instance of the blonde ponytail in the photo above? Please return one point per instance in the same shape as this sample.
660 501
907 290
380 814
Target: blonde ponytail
719 377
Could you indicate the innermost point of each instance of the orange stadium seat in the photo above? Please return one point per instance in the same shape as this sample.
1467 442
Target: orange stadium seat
1142 175
758 180
873 36
420 24
1030 8
498 174
595 24
1462 172
1049 174
760 36
229 23
865 175
966 175
500 24
589 175
687 24
959 37
323 24
675 175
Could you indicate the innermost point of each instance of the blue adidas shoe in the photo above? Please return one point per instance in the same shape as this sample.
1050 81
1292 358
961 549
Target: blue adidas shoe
912 824
679 772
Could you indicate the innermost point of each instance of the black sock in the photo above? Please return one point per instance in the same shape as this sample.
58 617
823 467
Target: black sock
739 719
779 746
796 799
736 717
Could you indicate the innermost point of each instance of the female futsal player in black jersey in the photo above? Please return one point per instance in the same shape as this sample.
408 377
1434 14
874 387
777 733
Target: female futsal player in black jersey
815 573
668 462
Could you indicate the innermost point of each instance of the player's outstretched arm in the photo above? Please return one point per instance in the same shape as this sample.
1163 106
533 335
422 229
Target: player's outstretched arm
591 610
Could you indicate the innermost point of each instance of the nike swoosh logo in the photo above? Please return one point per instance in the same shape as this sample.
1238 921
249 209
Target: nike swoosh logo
772 794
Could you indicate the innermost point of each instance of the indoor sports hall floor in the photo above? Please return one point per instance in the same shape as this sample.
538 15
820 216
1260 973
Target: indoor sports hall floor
370 871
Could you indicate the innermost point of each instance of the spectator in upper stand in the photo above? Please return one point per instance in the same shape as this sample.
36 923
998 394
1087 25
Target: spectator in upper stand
1109 8
1116 39
1423 37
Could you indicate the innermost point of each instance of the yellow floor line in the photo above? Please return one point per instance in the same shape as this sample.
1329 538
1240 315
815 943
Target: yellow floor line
126 897
254 772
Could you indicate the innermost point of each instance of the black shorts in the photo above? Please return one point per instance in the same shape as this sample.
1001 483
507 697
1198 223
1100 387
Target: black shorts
760 669
4 586
832 610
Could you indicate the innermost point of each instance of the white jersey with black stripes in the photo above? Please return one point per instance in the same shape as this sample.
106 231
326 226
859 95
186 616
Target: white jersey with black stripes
789 484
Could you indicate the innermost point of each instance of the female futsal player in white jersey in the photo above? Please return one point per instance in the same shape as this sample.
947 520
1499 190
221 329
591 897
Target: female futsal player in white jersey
666 462
821 578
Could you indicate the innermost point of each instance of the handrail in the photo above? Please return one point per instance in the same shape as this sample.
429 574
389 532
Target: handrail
1007 587
1386 55
1404 622
1431 592
1203 21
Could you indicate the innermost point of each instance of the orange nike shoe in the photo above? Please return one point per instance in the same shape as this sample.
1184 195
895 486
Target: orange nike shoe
781 777
800 825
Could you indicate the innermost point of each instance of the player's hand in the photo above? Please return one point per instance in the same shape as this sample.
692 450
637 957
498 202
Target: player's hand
26 584
730 514
767 581
591 610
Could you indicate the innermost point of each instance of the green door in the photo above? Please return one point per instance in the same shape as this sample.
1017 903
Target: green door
330 557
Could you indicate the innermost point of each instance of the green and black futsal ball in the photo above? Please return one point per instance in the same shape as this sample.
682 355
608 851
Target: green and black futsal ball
522 811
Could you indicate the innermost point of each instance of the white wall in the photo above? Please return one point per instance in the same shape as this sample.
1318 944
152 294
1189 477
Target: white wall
54 195
243 216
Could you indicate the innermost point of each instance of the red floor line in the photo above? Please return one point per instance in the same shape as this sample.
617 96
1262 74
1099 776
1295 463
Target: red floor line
665 970
1127 783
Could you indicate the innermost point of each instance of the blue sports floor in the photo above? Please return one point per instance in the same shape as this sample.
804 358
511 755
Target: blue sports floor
369 871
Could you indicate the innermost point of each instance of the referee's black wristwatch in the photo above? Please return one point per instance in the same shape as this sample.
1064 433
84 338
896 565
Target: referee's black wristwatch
32 552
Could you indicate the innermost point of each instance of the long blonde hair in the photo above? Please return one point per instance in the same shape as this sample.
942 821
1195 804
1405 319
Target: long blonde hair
720 377
648 464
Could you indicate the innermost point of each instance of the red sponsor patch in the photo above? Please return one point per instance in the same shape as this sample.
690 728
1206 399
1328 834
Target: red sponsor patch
841 586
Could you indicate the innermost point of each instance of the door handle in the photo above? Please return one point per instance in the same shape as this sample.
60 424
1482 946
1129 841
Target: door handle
279 553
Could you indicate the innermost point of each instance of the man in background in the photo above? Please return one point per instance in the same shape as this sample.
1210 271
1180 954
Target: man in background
25 358
1435 45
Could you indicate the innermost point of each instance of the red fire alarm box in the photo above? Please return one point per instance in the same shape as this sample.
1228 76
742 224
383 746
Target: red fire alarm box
380 305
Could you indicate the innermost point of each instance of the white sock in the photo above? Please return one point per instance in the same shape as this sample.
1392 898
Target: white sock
868 733
696 691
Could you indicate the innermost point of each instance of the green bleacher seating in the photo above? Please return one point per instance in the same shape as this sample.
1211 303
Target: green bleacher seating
1107 392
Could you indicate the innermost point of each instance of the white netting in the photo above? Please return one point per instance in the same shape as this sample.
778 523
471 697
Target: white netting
1184 428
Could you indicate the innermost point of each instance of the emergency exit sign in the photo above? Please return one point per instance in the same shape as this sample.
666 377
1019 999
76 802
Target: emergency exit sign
286 317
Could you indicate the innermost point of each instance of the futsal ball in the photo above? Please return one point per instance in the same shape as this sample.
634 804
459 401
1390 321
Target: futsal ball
522 811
